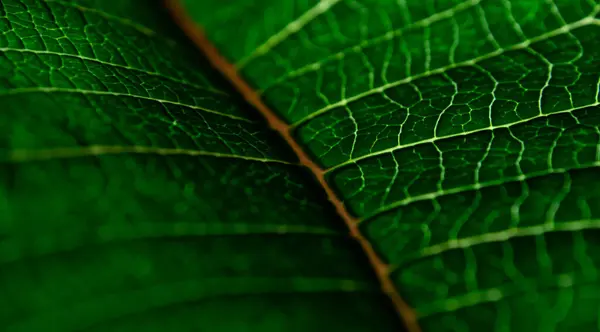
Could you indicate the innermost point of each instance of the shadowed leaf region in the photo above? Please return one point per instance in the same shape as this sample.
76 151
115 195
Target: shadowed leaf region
139 193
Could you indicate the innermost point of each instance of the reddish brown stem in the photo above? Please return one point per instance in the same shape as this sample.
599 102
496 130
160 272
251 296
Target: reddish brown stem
195 33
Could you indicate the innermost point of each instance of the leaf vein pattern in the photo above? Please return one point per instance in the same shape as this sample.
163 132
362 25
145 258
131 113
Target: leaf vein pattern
100 150
95 92
591 20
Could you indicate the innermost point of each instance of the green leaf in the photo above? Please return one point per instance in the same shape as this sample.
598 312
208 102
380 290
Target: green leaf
138 193
463 135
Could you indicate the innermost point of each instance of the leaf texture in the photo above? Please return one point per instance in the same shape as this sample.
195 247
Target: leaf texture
138 193
463 135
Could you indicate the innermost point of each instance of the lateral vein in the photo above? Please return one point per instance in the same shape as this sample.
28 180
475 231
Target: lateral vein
504 235
176 80
23 155
475 186
291 28
374 41
565 29
16 91
141 28
465 133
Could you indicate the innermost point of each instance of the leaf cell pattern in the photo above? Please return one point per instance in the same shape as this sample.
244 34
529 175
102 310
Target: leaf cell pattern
138 193
464 136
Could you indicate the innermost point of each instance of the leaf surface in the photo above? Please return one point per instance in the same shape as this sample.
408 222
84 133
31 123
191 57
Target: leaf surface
139 193
463 135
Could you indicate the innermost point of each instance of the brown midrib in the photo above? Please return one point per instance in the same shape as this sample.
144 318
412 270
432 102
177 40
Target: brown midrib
381 268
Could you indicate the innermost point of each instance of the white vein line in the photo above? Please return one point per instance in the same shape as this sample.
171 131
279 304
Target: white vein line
565 29
141 28
290 29
373 41
470 187
7 49
464 133
118 94
22 155
451 304
500 236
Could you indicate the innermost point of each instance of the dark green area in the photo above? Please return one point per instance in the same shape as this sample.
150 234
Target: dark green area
138 193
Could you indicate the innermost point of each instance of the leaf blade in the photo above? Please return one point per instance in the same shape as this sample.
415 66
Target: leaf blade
124 201
458 120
